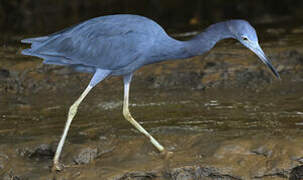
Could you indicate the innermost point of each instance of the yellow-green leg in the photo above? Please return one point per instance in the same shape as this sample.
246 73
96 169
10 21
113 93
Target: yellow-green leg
98 76
128 117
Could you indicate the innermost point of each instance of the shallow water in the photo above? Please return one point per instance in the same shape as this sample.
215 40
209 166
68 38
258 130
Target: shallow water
191 122
185 121
184 110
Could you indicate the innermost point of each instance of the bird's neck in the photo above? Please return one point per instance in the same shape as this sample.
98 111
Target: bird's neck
206 40
171 49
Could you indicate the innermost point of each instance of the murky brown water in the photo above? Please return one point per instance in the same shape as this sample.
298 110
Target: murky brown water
195 124
190 123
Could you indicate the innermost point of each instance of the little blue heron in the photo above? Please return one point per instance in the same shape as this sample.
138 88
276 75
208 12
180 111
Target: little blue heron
117 45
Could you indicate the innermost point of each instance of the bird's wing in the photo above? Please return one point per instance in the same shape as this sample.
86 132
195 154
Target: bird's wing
105 44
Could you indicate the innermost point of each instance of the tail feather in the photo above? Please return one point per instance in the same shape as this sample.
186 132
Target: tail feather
57 60
51 57
35 40
26 52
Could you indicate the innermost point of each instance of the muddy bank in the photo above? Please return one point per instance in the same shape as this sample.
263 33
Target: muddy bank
256 157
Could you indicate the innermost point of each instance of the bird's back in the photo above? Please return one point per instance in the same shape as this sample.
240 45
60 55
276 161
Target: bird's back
107 42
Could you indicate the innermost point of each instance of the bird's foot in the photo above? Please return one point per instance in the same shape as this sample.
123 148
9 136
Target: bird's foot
57 167
167 154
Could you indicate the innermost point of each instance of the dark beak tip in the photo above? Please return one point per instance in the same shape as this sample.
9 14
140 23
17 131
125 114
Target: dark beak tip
273 70
276 74
265 60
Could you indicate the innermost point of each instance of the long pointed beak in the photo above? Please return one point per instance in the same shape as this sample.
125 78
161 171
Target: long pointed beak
259 52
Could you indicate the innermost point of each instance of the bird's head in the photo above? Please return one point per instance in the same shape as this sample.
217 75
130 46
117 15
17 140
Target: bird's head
246 35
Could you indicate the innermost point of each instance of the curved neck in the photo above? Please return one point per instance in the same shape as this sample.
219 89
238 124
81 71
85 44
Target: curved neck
206 40
168 48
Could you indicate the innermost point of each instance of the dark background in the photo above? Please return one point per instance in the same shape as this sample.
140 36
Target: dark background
45 16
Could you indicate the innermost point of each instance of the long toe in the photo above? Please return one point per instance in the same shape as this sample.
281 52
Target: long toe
57 167
166 155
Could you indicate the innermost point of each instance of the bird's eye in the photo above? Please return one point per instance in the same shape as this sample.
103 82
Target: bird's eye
244 38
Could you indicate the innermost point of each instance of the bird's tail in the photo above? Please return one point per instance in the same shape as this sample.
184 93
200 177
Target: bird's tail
35 43
27 52
49 58
35 40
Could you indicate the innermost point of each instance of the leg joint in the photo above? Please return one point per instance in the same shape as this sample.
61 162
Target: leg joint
126 114
73 110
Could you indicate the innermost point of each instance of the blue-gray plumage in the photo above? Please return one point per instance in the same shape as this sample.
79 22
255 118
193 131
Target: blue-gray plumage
120 44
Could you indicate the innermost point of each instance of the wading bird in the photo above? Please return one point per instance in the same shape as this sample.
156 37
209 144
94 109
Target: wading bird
118 45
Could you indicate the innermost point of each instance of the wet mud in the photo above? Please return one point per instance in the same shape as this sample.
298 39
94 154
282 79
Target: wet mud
223 115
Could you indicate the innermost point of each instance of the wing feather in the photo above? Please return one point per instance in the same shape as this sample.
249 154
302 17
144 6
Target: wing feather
104 42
